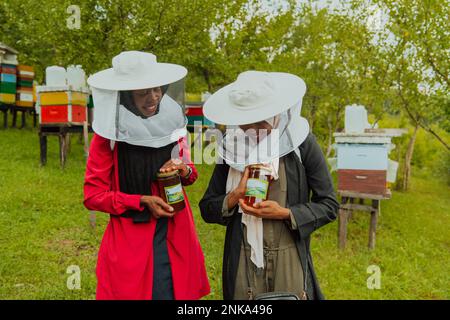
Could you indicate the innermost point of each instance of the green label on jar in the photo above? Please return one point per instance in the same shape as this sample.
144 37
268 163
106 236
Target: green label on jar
257 188
174 194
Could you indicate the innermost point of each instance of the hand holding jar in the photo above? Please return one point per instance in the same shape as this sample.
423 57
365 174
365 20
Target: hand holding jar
268 209
176 164
256 194
157 207
239 191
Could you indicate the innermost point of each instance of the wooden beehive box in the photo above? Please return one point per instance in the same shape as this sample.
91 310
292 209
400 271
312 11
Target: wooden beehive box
194 114
25 78
62 105
8 79
362 160
8 74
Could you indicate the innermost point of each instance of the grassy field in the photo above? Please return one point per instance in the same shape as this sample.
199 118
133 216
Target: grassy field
44 229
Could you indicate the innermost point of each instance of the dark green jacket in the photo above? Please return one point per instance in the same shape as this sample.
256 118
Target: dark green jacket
311 198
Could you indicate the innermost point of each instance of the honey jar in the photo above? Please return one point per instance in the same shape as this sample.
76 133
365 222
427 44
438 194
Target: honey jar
171 190
257 189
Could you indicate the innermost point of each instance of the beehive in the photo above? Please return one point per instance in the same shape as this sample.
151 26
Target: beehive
8 80
363 160
25 77
62 106
194 114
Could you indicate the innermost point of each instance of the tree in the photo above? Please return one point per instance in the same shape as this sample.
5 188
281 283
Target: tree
413 43
334 55
420 29
175 30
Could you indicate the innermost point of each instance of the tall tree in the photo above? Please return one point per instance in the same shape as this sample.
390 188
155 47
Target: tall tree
334 55
413 43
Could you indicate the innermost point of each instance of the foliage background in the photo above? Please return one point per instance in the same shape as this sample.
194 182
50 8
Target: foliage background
390 55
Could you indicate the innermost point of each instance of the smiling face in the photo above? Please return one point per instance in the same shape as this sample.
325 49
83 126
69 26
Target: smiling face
147 100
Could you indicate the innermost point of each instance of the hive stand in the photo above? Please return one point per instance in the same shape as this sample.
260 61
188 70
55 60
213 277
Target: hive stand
5 108
63 133
31 110
354 201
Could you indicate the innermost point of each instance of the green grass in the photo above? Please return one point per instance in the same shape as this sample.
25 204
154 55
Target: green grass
44 229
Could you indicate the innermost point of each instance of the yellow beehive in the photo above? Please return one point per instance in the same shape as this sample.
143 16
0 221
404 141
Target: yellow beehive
57 98
7 98
79 98
22 67
54 98
34 92
24 104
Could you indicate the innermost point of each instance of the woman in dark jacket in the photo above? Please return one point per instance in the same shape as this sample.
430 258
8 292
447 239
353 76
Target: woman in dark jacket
301 195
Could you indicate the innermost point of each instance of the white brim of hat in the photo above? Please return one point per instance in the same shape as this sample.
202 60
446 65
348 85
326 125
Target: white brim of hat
161 74
300 127
221 110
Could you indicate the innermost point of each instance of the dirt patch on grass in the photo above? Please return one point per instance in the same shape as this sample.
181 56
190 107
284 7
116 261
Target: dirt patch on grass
68 242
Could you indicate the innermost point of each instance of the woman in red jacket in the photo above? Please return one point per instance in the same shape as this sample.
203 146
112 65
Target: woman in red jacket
148 251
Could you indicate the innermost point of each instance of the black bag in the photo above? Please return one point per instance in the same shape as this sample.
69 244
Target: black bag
277 296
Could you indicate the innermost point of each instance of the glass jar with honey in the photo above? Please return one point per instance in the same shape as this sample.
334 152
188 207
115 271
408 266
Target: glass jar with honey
257 189
171 190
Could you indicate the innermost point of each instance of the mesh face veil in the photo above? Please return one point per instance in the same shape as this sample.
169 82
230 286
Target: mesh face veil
134 100
152 117
239 148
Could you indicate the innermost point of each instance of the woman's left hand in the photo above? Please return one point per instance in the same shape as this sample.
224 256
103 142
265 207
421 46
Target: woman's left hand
268 209
175 164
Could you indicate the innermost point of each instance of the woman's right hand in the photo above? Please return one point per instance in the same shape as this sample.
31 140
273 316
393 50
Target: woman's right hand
239 191
157 206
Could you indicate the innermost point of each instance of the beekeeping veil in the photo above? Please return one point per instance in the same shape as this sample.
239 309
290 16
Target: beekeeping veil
118 115
256 96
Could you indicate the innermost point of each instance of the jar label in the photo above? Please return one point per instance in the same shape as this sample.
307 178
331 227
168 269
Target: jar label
174 194
257 188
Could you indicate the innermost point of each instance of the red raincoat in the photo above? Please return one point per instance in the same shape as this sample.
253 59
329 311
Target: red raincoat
125 258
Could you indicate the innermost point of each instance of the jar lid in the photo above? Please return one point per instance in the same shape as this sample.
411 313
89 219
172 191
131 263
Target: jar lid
167 174
260 166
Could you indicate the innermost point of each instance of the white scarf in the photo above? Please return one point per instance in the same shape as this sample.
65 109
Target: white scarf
254 225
